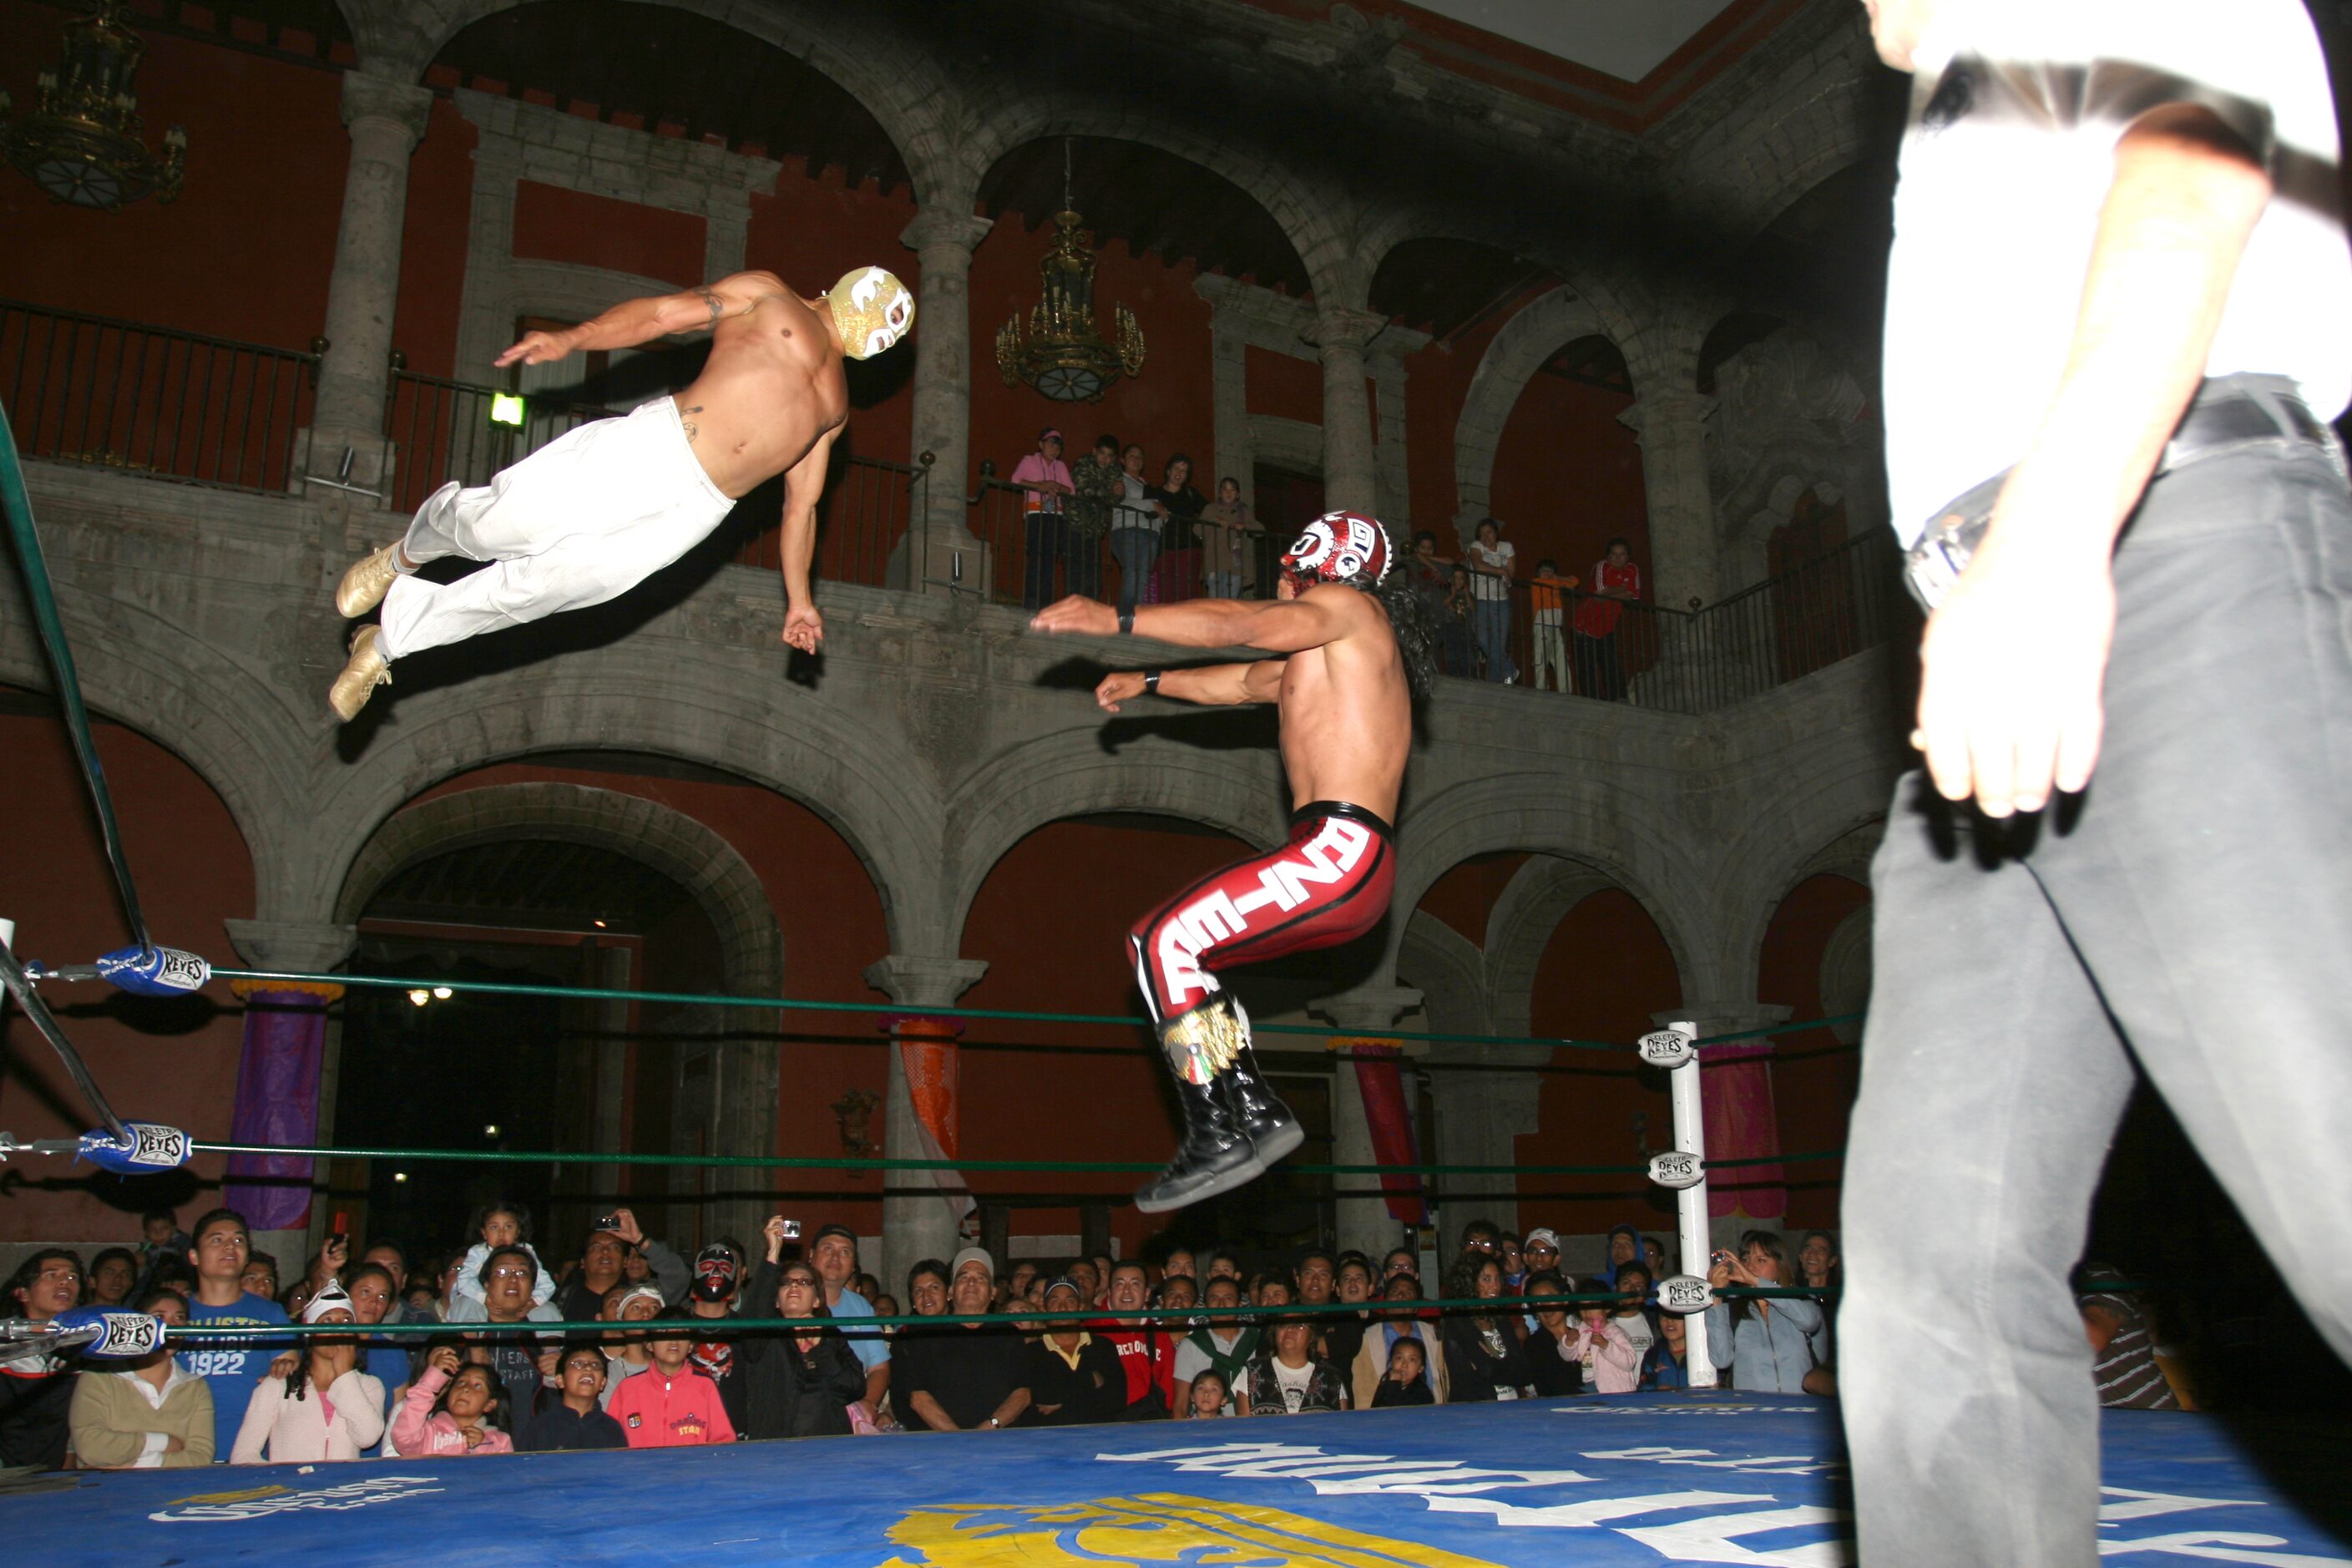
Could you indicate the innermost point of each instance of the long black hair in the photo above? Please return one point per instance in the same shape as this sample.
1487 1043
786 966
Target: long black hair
1415 627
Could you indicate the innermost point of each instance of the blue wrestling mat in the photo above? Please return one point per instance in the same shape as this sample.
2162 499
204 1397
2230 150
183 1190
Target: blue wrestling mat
1650 1479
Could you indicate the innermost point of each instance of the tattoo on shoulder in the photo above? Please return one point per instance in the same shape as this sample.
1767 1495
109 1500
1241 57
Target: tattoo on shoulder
685 418
710 299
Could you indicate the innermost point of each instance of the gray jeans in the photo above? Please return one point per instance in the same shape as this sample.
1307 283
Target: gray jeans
2190 913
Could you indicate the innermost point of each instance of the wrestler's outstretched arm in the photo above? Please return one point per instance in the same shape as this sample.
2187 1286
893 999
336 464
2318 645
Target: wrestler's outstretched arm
1319 616
803 482
1211 686
634 321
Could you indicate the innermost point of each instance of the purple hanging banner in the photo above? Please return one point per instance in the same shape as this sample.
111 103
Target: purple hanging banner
277 1098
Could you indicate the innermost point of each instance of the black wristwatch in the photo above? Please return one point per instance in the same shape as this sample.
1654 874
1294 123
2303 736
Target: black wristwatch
1127 623
1152 682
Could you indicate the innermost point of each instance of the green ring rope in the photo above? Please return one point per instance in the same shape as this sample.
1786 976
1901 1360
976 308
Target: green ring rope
691 999
813 1162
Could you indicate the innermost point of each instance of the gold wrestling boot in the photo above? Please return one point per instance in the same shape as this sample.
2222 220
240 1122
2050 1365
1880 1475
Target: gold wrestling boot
365 584
368 669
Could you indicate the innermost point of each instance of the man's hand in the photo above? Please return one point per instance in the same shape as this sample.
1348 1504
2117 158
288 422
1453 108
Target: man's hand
2011 667
804 627
548 1361
536 348
1077 614
625 1225
1119 685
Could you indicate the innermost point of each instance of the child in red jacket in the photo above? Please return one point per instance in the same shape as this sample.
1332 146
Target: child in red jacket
670 1404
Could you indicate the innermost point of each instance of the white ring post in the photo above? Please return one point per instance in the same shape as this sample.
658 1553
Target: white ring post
1690 1138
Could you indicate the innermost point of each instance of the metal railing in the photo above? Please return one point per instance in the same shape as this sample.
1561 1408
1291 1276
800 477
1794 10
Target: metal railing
862 519
440 430
1038 555
144 400
1570 640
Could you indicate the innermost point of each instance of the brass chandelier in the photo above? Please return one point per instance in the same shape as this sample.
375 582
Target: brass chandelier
1061 355
83 142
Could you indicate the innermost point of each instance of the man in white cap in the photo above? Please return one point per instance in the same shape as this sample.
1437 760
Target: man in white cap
967 1376
592 514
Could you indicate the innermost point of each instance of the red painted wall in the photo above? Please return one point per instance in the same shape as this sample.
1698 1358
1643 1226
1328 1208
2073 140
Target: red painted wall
1058 942
246 250
159 1061
1466 896
433 247
1606 970
1815 1081
551 223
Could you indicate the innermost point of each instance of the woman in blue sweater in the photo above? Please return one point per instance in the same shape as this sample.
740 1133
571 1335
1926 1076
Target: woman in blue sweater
1767 1344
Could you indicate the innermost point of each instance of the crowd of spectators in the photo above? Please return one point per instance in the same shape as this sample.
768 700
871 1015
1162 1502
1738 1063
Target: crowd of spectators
661 1376
1168 541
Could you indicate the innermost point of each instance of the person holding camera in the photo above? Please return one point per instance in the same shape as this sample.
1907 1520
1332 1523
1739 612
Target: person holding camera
1766 1343
603 1260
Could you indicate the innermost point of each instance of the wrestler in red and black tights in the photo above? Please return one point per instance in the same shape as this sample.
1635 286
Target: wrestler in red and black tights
1345 692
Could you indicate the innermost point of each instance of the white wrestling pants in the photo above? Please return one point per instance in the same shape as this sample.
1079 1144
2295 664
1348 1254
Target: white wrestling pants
583 519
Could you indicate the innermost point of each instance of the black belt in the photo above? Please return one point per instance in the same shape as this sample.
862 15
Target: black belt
1313 809
2231 413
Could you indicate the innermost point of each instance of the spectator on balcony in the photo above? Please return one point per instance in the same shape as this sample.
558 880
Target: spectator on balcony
1230 537
1492 569
1616 583
1043 481
1456 627
1181 505
1551 630
1094 478
1135 532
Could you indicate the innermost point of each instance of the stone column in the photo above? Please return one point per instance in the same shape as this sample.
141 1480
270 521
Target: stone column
1672 426
943 240
1350 475
1736 1089
1364 1222
386 116
919 1218
286 1070
1480 1118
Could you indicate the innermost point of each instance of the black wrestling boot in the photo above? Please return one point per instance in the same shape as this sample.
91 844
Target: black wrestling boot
1272 1131
1215 1155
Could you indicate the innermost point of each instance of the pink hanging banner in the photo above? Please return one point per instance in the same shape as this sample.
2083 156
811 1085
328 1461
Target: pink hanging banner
1741 1124
1381 1086
928 1047
276 1099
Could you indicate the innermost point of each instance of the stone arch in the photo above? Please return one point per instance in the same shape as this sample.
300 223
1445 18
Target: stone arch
229 725
1070 775
687 851
1844 793
1511 360
1449 971
1600 827
1313 220
916 103
871 791
1531 908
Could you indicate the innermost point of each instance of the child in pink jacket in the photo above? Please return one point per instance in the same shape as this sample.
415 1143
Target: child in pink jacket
460 1424
1600 1343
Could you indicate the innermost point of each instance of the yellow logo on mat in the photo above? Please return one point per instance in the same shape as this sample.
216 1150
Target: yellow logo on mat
215 1500
1160 1527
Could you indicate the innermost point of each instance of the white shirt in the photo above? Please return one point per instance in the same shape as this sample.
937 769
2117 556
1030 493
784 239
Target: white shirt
1293 1380
2016 109
1484 560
